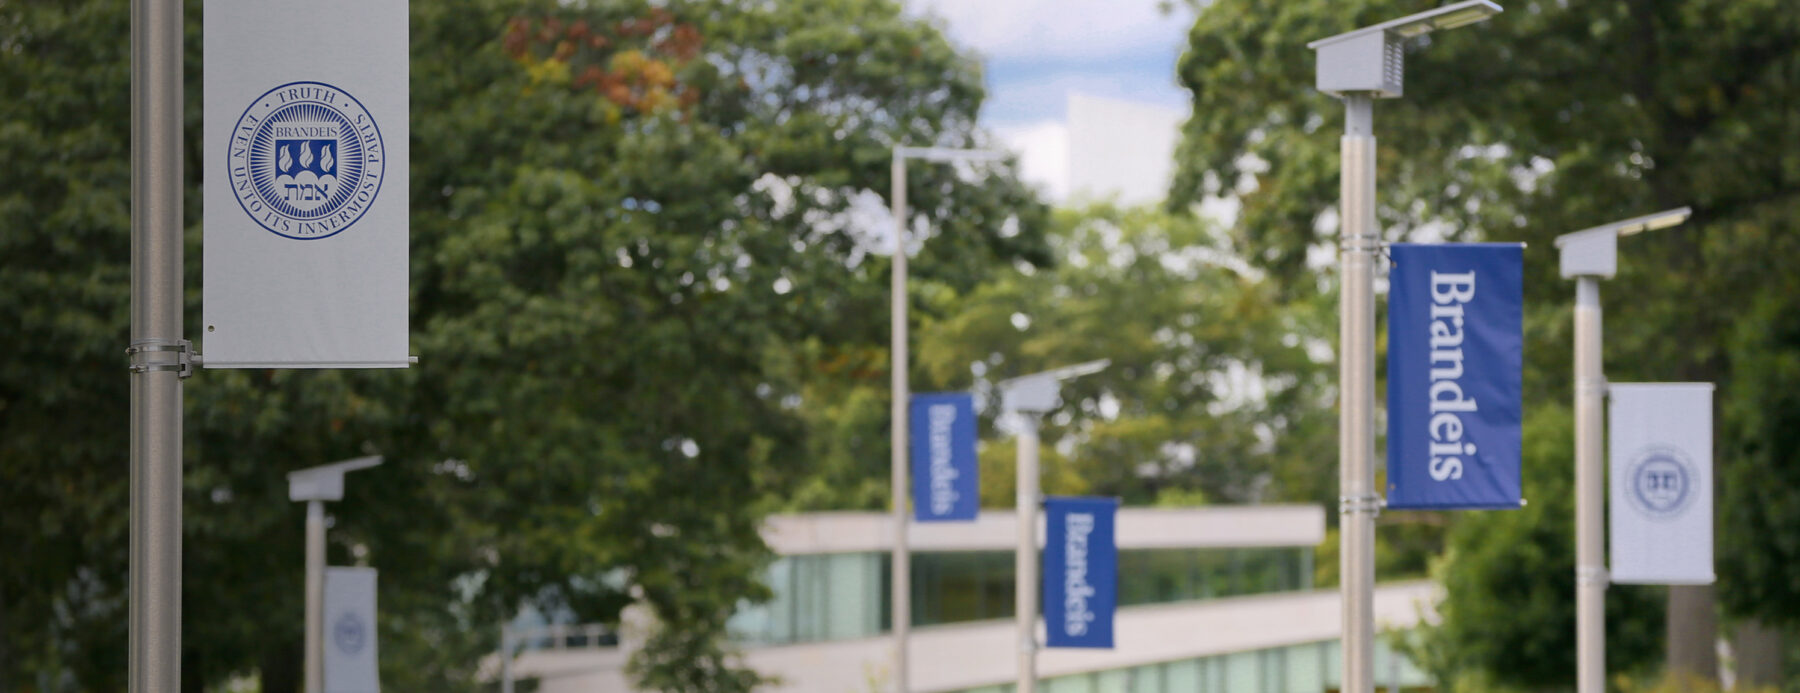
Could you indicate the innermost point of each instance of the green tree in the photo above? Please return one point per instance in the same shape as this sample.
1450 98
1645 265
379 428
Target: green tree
1508 614
1760 438
64 205
631 224
1550 118
1214 387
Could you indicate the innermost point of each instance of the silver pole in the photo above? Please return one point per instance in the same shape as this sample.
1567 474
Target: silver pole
315 597
506 659
1590 492
902 568
1025 555
156 346
1358 503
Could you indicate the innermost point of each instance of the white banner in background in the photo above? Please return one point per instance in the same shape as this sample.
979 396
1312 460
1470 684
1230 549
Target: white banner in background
1661 479
305 184
350 663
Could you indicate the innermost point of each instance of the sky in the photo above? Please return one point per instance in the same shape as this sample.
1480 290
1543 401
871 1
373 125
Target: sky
1035 52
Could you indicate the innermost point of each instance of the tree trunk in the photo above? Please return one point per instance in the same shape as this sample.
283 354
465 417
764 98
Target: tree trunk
5 656
280 668
1693 632
1757 649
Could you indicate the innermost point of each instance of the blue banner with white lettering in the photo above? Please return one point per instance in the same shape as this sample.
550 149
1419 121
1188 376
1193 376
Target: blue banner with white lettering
1455 360
945 481
1081 571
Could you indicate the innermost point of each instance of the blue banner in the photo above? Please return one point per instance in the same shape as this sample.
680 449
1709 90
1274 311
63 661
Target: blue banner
946 484
1081 571
1455 359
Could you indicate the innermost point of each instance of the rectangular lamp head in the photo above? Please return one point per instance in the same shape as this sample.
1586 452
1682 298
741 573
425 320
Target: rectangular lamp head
1659 220
325 482
1041 392
1449 17
1594 252
1372 60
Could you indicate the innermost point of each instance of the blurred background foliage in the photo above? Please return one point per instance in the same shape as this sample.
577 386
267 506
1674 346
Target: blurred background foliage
650 274
1550 118
634 241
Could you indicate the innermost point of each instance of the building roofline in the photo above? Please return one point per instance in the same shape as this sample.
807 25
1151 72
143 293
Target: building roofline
994 530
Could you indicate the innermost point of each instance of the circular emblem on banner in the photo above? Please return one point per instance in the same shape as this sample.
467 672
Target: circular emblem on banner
306 160
350 633
1660 481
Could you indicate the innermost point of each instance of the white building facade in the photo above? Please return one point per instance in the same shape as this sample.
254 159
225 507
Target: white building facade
1210 599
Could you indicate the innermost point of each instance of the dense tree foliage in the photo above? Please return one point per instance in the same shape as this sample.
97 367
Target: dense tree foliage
1508 614
1214 386
1550 118
635 238
1216 391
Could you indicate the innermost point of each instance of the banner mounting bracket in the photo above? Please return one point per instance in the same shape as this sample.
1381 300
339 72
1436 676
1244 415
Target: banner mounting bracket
185 356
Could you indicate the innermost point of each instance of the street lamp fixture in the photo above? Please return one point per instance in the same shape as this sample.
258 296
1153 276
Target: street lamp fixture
1587 256
1039 393
1026 398
325 482
1359 67
1371 59
314 486
1594 252
900 604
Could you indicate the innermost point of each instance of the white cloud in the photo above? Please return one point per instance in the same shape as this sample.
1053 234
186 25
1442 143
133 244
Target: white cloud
1058 29
1044 95
1037 53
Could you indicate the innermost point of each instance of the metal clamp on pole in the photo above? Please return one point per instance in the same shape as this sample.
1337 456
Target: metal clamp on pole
1592 575
1360 244
1357 505
185 356
1591 386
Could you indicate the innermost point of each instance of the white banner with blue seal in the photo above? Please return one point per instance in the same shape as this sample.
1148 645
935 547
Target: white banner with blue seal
350 661
1661 481
305 184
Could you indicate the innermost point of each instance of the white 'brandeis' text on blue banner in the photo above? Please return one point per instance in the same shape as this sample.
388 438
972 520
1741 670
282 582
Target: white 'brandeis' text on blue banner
946 482
1081 571
1455 365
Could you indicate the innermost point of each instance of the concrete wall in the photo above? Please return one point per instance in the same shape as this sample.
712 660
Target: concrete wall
1138 528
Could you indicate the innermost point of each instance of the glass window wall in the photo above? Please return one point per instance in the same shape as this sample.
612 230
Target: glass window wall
839 596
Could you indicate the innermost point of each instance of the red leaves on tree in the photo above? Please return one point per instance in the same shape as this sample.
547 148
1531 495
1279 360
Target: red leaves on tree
634 63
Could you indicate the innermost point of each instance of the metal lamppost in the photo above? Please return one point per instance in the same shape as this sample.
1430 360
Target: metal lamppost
1587 256
159 357
1026 399
315 485
1359 67
900 602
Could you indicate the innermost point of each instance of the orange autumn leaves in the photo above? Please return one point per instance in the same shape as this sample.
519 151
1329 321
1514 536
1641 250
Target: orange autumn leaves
632 64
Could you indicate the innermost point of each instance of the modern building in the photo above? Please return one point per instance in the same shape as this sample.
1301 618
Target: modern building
1121 150
1210 599
1108 150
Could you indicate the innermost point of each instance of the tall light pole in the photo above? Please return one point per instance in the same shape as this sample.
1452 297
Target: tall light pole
315 485
900 601
1027 398
1359 67
159 356
1587 256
